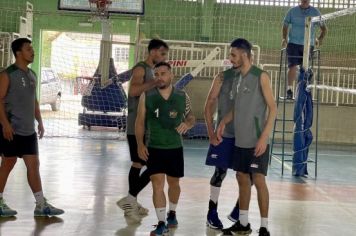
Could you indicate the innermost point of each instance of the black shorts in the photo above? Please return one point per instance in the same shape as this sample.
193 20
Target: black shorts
246 162
19 146
166 161
295 54
131 139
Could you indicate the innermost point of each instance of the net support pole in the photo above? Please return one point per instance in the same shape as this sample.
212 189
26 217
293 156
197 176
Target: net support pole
137 39
307 33
105 52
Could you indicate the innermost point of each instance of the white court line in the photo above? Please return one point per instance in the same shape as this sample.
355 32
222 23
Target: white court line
288 167
311 153
339 155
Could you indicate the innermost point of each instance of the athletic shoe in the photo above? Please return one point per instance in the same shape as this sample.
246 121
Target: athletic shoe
172 219
161 230
46 209
5 210
234 215
289 94
142 211
130 209
239 229
213 220
263 232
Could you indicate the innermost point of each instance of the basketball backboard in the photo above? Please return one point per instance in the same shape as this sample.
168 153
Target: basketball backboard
131 7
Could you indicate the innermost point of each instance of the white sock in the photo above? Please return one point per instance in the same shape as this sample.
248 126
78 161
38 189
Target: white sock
214 193
0 195
131 198
290 87
172 206
161 214
243 217
39 197
264 222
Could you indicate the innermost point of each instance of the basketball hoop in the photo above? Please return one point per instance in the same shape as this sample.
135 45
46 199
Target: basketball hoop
100 8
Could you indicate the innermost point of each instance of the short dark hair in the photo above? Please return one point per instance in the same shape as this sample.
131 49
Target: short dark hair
17 44
243 44
156 44
163 63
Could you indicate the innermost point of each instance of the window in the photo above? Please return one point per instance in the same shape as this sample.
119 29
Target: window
121 54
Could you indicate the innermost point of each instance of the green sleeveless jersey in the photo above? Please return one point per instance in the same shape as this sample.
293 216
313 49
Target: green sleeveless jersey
251 109
164 116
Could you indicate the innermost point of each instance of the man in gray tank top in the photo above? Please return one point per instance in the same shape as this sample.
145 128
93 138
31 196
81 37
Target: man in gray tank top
18 139
220 155
252 126
141 81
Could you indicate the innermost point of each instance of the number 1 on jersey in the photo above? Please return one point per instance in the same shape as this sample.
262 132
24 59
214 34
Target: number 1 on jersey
157 112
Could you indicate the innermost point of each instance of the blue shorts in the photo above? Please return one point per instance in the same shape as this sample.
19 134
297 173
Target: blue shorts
295 54
222 154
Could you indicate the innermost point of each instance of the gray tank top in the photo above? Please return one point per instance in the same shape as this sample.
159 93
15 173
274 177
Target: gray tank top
20 100
132 102
226 99
250 109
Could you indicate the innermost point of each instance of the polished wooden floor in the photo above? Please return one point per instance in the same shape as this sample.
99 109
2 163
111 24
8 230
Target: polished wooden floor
86 178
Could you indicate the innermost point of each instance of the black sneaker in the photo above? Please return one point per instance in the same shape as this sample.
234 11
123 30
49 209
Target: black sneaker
213 220
289 94
238 228
172 219
263 232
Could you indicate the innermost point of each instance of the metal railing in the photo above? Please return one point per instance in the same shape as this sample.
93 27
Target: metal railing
344 77
185 56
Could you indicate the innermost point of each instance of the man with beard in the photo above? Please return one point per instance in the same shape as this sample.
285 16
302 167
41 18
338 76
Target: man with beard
18 139
253 95
220 155
167 113
294 22
141 81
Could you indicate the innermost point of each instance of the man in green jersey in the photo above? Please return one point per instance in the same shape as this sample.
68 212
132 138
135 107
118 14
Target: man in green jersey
167 115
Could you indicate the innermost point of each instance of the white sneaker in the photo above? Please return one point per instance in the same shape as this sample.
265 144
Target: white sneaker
130 208
47 209
5 210
142 211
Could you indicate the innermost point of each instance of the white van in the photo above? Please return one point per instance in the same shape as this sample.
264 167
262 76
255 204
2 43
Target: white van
50 88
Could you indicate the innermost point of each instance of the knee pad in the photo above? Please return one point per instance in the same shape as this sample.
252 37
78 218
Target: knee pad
218 177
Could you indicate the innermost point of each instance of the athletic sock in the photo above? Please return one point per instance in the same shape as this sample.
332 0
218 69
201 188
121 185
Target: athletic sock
39 197
144 179
161 214
243 217
134 178
264 222
172 206
214 193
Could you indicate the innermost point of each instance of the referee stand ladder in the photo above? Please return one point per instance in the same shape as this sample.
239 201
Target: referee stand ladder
282 148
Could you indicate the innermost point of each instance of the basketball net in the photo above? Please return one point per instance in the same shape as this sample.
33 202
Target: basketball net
100 8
